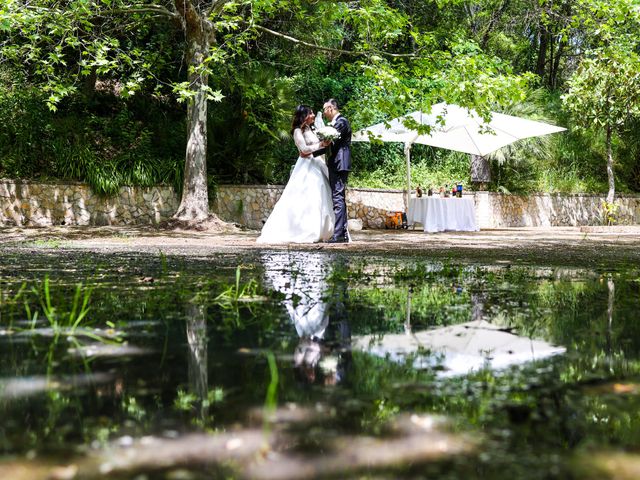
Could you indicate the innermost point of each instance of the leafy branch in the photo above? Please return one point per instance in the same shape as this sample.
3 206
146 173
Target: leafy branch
331 49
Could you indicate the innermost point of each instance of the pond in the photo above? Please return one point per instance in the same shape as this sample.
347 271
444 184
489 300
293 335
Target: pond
289 364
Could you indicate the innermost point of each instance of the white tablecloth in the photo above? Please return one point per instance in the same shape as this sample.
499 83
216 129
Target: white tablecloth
439 214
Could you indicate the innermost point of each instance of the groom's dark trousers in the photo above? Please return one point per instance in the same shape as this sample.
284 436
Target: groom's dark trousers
338 184
339 165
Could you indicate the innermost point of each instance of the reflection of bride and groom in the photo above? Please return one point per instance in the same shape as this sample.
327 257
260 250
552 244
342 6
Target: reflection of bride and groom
312 207
317 312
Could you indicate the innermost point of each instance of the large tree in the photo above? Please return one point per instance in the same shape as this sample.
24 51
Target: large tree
67 44
604 92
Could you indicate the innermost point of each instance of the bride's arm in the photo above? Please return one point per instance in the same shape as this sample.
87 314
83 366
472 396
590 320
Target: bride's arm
304 148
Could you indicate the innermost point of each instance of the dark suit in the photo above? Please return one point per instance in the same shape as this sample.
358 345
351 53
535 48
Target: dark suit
339 165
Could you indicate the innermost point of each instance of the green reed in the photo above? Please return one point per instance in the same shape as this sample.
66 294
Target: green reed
60 315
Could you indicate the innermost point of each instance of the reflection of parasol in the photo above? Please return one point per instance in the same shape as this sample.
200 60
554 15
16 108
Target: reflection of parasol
460 349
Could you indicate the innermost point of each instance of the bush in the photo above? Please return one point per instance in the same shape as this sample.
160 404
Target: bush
385 167
106 142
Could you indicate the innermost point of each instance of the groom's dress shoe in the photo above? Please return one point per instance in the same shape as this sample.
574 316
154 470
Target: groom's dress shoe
338 240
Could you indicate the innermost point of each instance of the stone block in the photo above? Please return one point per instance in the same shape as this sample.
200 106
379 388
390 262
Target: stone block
354 224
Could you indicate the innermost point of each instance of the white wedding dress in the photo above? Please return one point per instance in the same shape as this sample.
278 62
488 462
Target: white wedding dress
304 212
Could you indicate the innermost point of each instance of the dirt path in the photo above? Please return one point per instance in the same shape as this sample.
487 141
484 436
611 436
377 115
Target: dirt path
594 246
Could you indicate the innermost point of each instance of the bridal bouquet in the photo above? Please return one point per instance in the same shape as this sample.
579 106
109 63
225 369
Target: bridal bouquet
327 133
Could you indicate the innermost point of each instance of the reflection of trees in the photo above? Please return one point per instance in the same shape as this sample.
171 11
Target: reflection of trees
386 308
547 406
611 288
196 324
543 402
578 312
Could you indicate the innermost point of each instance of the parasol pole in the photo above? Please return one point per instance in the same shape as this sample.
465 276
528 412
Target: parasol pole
407 153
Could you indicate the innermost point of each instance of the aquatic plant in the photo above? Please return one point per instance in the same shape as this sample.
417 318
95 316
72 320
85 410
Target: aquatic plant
237 293
9 301
59 316
271 399
186 401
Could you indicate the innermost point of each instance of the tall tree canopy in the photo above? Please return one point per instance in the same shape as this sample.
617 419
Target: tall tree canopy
180 47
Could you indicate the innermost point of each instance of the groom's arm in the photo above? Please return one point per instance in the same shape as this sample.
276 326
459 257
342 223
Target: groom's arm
342 126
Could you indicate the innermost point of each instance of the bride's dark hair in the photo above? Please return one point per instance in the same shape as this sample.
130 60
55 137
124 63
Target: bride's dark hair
299 116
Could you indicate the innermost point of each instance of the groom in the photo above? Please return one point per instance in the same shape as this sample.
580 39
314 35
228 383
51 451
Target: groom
339 165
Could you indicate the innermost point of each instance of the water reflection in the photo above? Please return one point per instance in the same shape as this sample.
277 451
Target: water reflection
457 349
135 414
196 324
317 311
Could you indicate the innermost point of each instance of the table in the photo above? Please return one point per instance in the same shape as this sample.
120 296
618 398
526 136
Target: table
439 214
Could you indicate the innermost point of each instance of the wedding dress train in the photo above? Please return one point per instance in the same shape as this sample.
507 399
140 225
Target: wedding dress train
304 212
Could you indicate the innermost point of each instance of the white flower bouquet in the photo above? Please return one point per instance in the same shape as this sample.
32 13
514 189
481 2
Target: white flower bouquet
327 133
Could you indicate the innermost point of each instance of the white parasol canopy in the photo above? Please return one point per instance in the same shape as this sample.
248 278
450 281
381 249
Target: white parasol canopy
458 349
456 128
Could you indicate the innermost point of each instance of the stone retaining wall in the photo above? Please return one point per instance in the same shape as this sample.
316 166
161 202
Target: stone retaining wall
250 205
495 210
26 203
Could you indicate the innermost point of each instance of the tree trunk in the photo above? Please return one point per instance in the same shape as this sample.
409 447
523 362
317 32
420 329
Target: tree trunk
543 44
194 205
198 365
611 287
89 86
555 67
493 21
552 48
612 185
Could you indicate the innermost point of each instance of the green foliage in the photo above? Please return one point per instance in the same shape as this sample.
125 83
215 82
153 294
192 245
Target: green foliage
430 167
59 314
246 130
187 401
271 396
610 212
233 295
25 126
107 143
605 91
113 76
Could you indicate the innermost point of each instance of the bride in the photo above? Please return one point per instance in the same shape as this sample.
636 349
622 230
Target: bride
304 213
